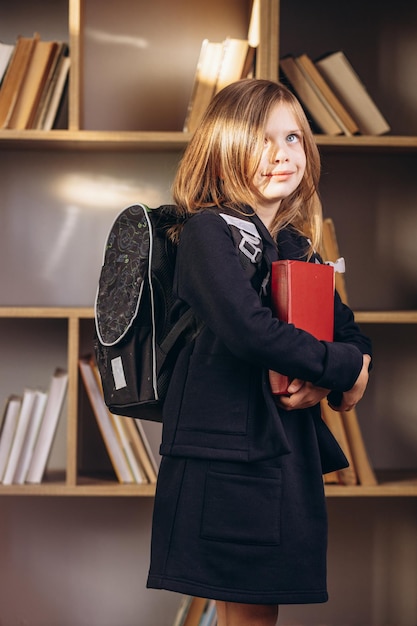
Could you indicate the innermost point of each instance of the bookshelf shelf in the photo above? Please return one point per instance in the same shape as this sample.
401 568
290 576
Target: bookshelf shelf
386 317
368 317
46 312
175 140
93 140
398 484
391 484
369 188
85 488
365 143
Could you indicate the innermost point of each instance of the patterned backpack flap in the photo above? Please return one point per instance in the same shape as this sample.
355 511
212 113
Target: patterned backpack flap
124 272
135 340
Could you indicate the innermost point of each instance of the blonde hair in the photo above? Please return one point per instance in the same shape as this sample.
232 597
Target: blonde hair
223 156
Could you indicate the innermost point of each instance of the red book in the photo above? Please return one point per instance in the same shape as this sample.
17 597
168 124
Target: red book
302 294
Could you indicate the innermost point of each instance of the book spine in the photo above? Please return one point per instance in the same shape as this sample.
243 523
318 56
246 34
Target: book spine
281 277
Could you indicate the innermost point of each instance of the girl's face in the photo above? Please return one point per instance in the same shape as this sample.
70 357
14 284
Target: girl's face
283 161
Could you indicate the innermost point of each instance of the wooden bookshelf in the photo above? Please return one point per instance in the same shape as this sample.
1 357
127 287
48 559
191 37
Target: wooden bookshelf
175 140
368 187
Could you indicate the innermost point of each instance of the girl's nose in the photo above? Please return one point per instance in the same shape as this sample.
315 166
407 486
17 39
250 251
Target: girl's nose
279 154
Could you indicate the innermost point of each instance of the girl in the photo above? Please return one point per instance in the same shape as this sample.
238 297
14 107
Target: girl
240 510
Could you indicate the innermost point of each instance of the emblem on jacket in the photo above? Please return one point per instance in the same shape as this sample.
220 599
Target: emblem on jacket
246 236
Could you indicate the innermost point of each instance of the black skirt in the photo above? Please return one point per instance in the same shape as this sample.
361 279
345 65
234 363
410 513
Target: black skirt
244 532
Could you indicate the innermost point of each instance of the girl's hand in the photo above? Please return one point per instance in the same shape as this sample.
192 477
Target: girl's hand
301 395
351 398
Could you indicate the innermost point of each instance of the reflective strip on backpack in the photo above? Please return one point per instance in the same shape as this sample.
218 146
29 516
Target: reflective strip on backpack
152 301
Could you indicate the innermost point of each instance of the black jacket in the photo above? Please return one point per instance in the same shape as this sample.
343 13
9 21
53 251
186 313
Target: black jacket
219 405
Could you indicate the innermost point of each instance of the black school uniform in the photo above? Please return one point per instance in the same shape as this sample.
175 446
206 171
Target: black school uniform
239 509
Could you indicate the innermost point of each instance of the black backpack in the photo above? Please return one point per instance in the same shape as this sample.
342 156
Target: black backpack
136 342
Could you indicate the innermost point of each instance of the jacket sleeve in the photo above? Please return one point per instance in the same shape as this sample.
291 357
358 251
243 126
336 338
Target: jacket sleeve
211 280
347 330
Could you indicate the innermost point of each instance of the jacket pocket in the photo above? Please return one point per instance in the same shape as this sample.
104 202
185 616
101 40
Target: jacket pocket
240 508
216 395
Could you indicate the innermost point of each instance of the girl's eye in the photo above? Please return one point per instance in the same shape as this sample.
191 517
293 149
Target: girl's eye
293 138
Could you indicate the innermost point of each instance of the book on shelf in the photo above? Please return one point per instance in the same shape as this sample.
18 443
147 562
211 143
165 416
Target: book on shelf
140 449
204 84
327 95
195 611
182 610
44 441
364 469
59 65
149 451
34 82
31 436
334 422
209 617
302 294
8 429
49 112
105 422
14 76
314 105
360 459
19 436
219 64
236 62
128 449
330 252
345 82
34 85
134 441
6 51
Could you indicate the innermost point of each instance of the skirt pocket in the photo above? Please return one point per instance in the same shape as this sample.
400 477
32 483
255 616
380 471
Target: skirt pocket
223 406
242 509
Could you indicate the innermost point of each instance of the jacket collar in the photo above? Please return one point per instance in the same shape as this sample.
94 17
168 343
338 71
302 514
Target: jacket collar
289 244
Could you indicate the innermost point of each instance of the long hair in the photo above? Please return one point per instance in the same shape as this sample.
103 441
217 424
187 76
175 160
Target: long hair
223 156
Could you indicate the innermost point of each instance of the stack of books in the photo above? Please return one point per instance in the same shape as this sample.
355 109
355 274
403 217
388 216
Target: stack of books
344 425
124 437
219 64
27 431
34 76
222 63
333 95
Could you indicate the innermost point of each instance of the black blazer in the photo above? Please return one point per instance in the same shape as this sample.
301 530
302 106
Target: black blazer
219 405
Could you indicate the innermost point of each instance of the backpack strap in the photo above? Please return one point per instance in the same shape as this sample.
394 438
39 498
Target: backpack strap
183 324
250 245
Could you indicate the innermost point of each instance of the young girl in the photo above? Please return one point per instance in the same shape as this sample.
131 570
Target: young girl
240 510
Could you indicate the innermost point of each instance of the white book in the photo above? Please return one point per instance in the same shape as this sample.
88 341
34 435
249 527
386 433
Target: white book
56 395
32 432
232 62
6 51
104 421
19 436
8 429
205 80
